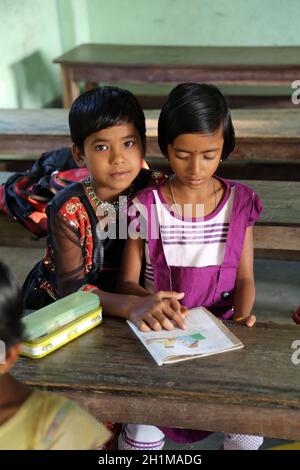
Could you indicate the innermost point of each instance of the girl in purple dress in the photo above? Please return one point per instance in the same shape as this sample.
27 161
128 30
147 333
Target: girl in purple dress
195 233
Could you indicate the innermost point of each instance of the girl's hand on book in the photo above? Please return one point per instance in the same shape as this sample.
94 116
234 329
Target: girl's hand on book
157 311
175 305
250 320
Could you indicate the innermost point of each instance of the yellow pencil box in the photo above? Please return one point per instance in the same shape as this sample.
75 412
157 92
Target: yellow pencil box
48 343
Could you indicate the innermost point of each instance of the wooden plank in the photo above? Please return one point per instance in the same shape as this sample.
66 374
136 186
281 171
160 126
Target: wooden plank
33 131
109 371
278 254
277 238
153 95
279 199
173 64
12 233
164 56
261 134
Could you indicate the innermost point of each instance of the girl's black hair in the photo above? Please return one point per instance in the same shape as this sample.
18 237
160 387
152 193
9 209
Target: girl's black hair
11 308
105 107
191 108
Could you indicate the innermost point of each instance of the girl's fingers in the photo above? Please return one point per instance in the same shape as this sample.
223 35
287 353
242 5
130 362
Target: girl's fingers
141 325
179 320
249 321
148 323
174 316
175 305
164 314
164 321
184 310
152 322
161 295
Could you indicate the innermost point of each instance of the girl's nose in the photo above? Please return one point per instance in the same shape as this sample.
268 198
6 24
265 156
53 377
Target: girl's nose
116 157
195 165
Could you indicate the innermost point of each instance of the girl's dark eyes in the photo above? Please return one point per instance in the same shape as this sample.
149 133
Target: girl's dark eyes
101 147
104 147
129 143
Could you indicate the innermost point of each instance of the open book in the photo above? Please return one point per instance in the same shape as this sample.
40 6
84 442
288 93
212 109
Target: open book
205 335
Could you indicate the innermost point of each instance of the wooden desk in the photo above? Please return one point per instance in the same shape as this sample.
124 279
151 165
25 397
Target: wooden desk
255 390
174 64
261 134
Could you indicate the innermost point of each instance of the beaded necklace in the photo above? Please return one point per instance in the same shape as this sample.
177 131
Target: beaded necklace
109 208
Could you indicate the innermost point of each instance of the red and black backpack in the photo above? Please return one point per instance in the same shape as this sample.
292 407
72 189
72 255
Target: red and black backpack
25 195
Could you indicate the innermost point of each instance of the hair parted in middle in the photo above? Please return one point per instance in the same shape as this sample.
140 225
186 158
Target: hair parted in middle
195 108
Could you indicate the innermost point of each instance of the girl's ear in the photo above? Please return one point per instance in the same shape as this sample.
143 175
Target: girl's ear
79 159
11 357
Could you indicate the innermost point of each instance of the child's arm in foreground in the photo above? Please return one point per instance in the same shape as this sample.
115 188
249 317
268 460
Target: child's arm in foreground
244 295
169 309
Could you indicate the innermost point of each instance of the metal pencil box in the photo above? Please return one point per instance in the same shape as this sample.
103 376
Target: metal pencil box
48 319
48 343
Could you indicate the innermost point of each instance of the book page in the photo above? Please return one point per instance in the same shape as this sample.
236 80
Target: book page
204 335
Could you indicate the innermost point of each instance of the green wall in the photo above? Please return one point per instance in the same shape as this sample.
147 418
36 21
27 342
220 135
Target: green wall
196 22
34 32
29 38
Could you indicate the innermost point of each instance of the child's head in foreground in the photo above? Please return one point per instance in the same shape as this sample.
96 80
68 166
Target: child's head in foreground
196 117
11 309
108 131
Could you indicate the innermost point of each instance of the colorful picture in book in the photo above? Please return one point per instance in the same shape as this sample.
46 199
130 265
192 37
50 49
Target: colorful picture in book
189 341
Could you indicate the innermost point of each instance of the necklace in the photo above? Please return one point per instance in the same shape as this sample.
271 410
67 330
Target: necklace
174 200
109 208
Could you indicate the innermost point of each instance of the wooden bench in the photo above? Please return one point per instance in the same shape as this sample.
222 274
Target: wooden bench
255 390
261 134
153 96
137 64
279 221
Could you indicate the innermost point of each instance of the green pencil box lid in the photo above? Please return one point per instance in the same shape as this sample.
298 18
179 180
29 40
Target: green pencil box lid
58 314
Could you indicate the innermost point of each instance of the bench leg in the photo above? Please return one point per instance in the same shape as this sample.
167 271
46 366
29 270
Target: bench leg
69 85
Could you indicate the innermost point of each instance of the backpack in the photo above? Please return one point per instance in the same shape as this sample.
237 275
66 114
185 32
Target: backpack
26 194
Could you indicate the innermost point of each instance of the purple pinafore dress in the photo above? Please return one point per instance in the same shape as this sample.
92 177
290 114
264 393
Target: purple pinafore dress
211 286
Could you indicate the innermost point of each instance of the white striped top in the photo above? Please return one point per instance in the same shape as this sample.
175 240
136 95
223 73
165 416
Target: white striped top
191 242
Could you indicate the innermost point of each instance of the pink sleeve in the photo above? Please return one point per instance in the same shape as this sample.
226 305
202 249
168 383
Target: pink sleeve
256 209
